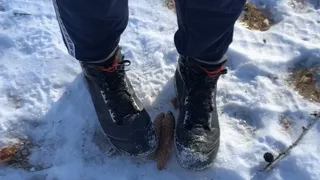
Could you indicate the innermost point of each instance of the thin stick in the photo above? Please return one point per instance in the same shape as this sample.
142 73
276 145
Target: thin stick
286 152
21 14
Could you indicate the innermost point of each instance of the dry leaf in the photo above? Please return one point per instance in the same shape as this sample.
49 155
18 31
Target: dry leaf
307 79
166 140
170 4
9 153
164 125
175 103
17 155
158 125
285 123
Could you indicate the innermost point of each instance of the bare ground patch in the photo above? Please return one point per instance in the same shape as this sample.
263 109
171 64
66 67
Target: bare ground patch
306 81
256 19
17 155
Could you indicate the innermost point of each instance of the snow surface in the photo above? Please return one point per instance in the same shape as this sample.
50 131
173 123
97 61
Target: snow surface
44 97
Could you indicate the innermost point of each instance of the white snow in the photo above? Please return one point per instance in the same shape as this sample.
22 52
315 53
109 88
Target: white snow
43 95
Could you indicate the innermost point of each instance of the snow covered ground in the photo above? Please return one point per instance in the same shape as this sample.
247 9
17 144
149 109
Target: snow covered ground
43 96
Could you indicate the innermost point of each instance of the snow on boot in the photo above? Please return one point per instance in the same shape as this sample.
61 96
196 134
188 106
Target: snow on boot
121 115
198 132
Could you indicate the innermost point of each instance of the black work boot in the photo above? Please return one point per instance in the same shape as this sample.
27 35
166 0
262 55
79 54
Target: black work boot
198 132
121 115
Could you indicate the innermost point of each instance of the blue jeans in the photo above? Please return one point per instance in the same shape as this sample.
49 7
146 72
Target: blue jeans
91 29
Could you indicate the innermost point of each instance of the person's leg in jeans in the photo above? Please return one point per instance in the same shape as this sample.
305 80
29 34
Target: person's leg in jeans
204 35
91 31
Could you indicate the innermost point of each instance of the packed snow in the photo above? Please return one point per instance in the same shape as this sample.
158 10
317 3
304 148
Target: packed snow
43 95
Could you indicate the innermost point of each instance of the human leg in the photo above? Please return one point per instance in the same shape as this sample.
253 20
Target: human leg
204 35
91 31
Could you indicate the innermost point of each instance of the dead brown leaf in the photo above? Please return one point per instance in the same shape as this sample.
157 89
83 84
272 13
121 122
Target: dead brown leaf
175 103
285 123
17 155
308 79
7 154
170 4
164 125
158 127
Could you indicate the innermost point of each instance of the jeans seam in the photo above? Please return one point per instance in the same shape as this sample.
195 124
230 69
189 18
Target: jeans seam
70 44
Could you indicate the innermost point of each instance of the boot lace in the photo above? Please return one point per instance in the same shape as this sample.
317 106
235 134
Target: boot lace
116 92
200 98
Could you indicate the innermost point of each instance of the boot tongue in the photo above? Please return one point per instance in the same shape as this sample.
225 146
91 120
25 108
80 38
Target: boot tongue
212 72
110 65
197 129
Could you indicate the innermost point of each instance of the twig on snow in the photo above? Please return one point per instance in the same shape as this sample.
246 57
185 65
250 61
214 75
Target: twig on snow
21 14
286 152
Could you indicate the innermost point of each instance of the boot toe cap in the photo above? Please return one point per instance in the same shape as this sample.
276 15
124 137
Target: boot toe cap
197 151
196 159
141 142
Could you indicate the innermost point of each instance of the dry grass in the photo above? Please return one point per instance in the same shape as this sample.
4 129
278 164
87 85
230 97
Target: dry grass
170 4
256 19
304 81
